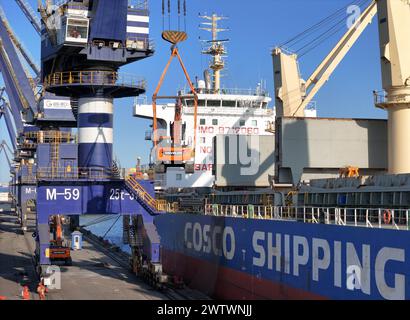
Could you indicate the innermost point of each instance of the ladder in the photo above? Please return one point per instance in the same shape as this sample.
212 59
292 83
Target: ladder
55 153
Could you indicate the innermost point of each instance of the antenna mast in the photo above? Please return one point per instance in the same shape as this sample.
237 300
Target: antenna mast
217 49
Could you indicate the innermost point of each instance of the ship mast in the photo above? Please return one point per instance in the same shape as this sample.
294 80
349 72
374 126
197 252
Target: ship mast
217 49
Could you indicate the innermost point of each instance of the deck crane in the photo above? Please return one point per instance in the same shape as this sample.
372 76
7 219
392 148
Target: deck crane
293 94
30 14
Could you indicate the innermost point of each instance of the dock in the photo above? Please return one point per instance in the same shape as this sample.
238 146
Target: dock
93 275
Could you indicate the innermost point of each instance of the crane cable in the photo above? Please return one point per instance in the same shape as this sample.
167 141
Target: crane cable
320 39
98 220
302 35
321 25
109 229
181 9
314 43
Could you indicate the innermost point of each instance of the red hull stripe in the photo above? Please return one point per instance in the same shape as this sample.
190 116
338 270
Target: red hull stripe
228 284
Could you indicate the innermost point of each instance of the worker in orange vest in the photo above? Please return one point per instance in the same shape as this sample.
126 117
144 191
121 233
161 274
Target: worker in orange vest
25 293
42 290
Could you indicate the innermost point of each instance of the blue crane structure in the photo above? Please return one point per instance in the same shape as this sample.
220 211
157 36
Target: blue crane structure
84 45
39 119
5 113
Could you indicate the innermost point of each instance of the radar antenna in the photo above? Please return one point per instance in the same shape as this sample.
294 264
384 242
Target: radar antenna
216 49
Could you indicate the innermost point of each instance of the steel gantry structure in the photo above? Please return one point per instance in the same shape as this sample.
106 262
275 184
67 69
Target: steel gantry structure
79 79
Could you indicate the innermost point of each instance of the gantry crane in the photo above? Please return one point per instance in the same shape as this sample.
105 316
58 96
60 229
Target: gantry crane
293 94
81 61
37 118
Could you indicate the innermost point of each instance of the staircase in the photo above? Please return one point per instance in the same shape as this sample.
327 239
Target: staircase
115 170
74 107
141 195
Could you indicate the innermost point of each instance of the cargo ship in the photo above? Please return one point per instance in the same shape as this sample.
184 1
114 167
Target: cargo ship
320 229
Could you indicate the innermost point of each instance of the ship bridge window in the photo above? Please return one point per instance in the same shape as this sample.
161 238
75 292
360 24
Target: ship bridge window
214 122
244 104
254 123
228 103
77 30
202 122
241 123
190 103
214 103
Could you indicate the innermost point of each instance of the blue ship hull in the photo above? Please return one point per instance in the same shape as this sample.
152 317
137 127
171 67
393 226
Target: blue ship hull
235 258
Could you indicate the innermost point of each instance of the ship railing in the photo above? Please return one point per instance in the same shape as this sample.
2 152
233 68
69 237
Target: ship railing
398 219
94 77
380 97
28 179
69 4
138 4
228 91
74 173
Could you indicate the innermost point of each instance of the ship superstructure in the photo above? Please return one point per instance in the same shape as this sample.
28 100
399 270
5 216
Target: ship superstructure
221 111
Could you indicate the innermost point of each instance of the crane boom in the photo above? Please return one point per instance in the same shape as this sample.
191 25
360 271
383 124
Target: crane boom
30 14
6 113
3 146
18 86
24 52
330 63
293 93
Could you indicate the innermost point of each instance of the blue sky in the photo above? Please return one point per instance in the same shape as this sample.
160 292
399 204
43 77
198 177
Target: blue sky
255 27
